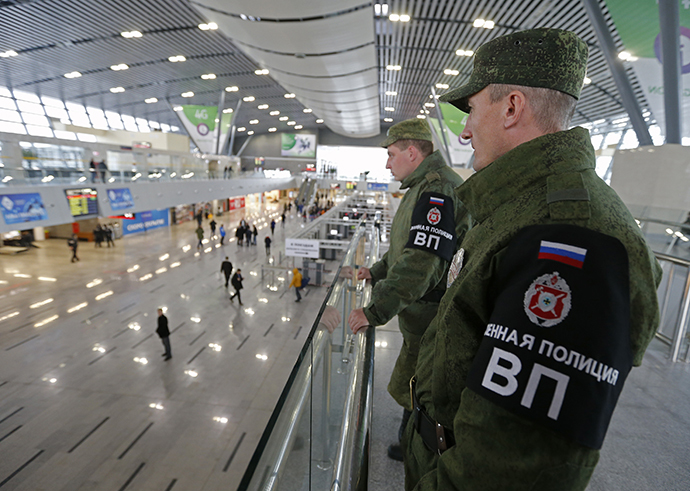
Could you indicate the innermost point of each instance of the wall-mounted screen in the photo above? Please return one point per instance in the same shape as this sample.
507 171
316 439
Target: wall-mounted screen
83 203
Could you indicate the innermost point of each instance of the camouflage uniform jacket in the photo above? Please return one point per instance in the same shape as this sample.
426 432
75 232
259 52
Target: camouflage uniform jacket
410 282
554 260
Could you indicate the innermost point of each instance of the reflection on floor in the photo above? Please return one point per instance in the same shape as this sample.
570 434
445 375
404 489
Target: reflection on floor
86 400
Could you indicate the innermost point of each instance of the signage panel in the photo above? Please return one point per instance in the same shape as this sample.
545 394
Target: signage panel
302 248
21 208
120 199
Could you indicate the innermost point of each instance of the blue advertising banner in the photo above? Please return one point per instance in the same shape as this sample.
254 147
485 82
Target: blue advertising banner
146 220
377 186
120 199
21 208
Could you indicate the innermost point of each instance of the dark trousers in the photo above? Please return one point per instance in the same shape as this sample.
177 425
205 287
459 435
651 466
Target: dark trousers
236 294
166 344
268 250
227 279
74 255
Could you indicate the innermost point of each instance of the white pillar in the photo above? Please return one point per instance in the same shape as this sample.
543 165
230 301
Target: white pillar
39 233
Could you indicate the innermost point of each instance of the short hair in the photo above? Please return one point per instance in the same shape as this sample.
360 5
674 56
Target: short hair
425 147
552 109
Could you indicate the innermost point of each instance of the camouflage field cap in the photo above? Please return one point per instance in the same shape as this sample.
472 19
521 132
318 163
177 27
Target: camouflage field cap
410 129
548 58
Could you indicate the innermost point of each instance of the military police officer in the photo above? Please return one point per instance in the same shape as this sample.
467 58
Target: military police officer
553 301
410 278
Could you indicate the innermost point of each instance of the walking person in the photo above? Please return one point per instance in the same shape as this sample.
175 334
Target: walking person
103 169
268 241
282 220
237 285
108 232
226 268
248 235
98 236
73 243
273 226
200 236
297 283
212 223
255 232
239 234
221 231
92 170
164 333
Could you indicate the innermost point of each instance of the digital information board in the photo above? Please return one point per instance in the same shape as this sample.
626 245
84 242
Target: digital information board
82 202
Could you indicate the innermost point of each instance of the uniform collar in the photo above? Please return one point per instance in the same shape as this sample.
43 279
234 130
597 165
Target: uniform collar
431 163
525 167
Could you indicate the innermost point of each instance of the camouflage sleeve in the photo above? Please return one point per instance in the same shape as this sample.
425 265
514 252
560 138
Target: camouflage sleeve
379 270
414 274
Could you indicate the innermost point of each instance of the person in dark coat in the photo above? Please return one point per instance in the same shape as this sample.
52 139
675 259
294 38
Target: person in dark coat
73 243
248 234
273 226
164 333
103 169
212 223
282 220
92 170
200 236
239 235
267 241
226 268
237 285
108 232
255 232
98 236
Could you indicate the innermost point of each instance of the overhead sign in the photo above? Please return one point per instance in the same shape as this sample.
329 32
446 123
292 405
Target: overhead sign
377 186
120 199
146 221
83 202
200 123
21 208
302 248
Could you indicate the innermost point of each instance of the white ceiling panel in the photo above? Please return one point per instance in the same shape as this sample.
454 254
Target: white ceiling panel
318 66
330 35
293 9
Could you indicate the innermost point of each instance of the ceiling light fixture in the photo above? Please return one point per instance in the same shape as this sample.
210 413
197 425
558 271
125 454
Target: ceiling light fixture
249 98
177 108
253 121
389 109
233 88
486 24
299 127
627 56
241 128
421 116
227 110
131 34
289 96
319 121
187 94
388 120
587 81
116 90
393 67
442 86
283 118
209 76
119 67
9 53
176 59
262 106
211 26
391 92
291 123
306 110
261 71
272 130
72 75
464 52
151 100
274 113
450 71
429 104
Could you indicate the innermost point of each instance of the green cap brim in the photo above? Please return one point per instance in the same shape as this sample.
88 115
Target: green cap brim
458 97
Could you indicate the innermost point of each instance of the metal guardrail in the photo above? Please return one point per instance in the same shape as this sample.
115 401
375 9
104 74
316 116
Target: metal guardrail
270 462
680 334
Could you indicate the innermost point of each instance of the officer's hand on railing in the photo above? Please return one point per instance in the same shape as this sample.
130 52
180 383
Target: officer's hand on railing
347 272
330 318
363 274
358 321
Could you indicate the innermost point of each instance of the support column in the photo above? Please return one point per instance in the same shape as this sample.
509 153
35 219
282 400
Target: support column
669 22
614 63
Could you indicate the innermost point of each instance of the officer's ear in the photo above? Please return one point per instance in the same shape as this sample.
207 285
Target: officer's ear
514 108
413 153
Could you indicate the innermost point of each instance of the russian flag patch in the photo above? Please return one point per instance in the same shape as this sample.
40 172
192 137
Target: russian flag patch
436 201
564 253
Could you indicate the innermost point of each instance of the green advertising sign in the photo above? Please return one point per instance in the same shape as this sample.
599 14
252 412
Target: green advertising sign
201 115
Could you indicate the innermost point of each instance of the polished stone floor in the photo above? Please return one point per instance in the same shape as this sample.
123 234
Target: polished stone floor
86 400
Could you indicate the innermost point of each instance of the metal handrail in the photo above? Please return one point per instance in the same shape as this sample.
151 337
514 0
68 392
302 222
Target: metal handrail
354 431
680 330
283 423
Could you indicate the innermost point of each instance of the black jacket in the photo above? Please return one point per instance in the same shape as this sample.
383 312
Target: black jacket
163 330
226 267
237 281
